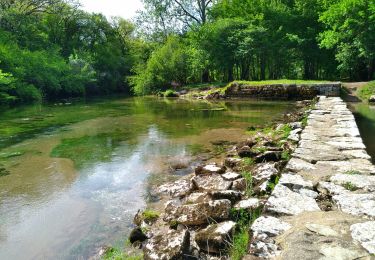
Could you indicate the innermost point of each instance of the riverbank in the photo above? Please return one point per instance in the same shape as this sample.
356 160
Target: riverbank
274 89
209 212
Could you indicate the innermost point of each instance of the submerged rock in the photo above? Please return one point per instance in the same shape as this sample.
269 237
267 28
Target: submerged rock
216 238
173 245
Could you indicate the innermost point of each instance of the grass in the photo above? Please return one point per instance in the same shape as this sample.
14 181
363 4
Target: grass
247 162
117 254
367 91
353 172
170 93
241 239
150 215
284 131
202 86
249 182
350 186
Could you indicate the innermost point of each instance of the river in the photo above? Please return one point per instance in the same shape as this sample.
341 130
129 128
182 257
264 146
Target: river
75 174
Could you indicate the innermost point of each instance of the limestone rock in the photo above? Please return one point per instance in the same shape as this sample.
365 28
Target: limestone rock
239 185
264 171
231 195
337 252
296 165
356 204
322 230
295 182
197 197
231 176
209 169
216 238
295 135
295 125
329 188
246 151
364 233
176 189
201 213
269 156
284 201
232 162
248 204
372 99
173 245
210 183
270 226
137 235
360 181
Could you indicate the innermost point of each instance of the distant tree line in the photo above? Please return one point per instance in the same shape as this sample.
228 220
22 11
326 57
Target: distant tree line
52 49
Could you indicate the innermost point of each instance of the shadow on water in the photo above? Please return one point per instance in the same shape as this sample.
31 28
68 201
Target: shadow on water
365 118
79 172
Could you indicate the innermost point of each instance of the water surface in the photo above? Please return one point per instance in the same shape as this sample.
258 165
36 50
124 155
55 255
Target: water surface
79 172
365 117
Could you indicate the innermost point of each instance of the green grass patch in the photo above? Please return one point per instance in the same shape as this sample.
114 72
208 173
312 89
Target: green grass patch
272 183
249 182
247 162
202 86
353 172
350 186
170 93
3 172
117 254
366 91
150 215
284 131
241 242
285 155
11 154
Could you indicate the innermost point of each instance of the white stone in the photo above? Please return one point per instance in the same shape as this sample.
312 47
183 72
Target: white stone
285 201
247 204
356 204
231 176
360 181
269 225
364 233
295 182
322 230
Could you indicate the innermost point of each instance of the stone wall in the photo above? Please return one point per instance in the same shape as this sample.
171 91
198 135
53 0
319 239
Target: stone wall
283 91
324 204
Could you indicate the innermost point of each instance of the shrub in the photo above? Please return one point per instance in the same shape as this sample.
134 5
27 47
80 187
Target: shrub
170 93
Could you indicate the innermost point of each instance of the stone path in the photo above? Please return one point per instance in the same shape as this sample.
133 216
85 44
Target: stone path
324 204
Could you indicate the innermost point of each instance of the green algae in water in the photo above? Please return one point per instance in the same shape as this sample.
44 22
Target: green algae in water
88 149
3 172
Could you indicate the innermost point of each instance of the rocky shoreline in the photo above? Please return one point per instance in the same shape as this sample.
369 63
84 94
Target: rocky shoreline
205 210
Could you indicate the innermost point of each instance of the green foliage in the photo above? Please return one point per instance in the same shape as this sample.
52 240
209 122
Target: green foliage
170 93
353 172
117 254
350 186
241 242
167 65
249 182
367 91
272 183
150 215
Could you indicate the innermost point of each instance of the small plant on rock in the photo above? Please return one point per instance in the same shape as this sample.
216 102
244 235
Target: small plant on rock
350 186
353 172
150 215
249 182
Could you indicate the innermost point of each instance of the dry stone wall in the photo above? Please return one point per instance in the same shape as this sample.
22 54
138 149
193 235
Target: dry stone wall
284 91
324 204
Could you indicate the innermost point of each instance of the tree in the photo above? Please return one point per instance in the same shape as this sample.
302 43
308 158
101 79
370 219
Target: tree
350 32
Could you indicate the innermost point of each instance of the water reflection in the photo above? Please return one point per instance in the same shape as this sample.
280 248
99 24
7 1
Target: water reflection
77 187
